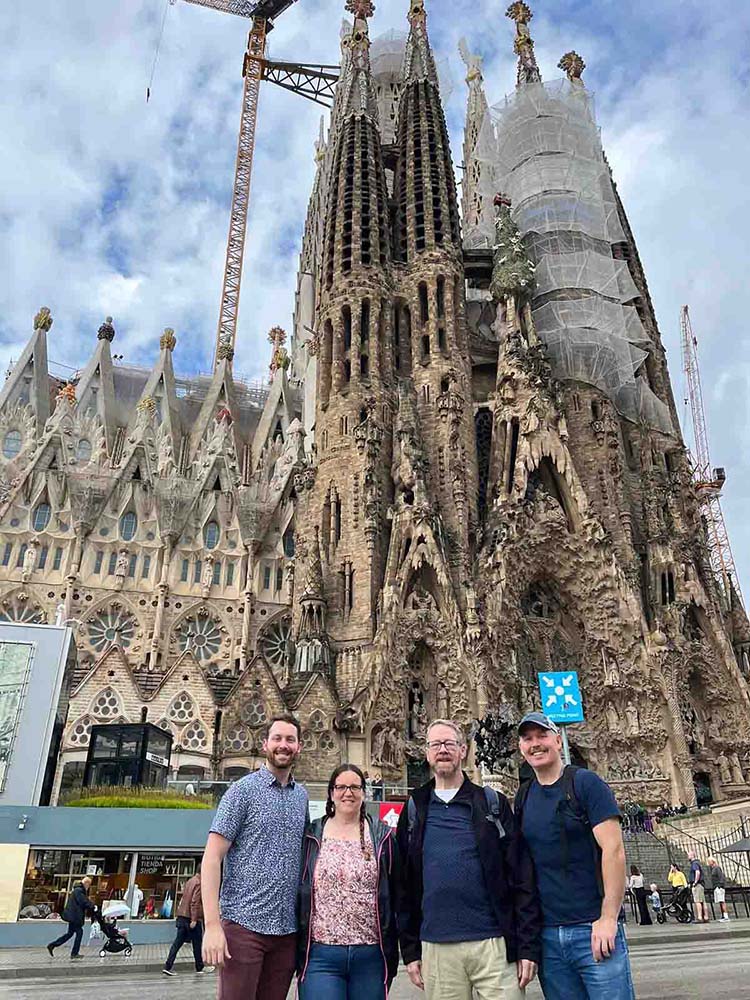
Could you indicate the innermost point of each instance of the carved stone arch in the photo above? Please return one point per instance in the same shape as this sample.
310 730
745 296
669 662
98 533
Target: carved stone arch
195 737
79 732
546 480
317 721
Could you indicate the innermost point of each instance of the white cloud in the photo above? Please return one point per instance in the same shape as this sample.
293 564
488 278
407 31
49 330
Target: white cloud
112 205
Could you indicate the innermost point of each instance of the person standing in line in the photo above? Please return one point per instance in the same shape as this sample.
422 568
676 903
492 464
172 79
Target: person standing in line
469 915
719 886
189 927
570 820
637 887
256 834
698 887
77 906
347 942
676 877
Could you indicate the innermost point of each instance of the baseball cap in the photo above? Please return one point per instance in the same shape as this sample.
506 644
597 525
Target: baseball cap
537 719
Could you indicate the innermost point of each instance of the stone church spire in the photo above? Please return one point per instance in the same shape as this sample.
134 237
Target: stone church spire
528 71
476 187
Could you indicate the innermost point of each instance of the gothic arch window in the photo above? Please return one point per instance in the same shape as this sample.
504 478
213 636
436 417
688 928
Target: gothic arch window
317 721
182 708
201 634
166 725
211 535
110 626
80 731
326 742
194 737
253 712
275 642
106 705
42 514
12 443
128 526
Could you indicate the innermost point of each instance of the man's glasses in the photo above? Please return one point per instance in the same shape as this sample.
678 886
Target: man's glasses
450 745
347 788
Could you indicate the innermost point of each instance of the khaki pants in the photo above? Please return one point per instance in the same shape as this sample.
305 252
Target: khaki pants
450 971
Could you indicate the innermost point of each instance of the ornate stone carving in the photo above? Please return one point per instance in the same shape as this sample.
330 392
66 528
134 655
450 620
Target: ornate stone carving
43 320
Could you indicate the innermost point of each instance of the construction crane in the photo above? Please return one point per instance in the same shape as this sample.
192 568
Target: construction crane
708 481
314 81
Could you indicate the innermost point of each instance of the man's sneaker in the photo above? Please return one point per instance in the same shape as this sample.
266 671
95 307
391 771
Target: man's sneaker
205 969
76 958
168 972
725 917
51 951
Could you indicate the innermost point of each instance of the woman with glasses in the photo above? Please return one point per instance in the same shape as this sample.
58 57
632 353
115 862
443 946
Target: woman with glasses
348 943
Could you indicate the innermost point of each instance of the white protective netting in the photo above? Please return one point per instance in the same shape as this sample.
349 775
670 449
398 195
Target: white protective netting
542 148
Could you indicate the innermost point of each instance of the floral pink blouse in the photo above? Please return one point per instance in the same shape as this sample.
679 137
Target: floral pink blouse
346 886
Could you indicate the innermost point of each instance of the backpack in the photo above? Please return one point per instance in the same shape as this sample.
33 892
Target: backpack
493 815
570 803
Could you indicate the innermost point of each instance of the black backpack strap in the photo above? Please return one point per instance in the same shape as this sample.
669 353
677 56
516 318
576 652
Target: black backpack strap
411 815
520 800
572 802
493 809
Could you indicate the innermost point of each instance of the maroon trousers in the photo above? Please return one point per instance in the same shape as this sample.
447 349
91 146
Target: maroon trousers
261 966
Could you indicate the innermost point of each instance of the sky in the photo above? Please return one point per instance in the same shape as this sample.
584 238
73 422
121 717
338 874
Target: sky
110 205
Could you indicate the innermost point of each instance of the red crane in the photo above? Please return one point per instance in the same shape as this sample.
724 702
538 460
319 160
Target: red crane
708 481
311 80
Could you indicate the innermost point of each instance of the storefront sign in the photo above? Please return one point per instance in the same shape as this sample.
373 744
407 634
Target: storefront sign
390 812
150 864
156 759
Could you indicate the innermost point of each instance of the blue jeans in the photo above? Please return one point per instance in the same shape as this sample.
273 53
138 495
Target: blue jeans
344 972
569 972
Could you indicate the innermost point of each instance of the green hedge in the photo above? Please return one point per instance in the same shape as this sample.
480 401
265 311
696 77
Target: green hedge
135 798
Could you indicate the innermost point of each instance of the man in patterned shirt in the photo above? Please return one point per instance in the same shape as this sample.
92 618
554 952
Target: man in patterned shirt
257 835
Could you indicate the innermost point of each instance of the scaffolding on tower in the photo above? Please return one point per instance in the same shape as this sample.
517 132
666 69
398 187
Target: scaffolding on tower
709 481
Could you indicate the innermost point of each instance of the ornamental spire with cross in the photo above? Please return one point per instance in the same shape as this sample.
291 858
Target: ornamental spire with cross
573 66
528 71
362 9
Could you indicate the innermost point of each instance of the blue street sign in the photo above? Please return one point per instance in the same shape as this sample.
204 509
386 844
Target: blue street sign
561 696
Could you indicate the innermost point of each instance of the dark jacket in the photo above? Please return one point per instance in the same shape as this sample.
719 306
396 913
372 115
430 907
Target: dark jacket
77 906
506 864
191 904
386 852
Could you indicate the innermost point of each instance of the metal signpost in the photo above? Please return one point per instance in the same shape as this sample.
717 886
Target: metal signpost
561 700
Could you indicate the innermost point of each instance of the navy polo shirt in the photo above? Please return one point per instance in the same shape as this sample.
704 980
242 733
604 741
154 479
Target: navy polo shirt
455 902
569 893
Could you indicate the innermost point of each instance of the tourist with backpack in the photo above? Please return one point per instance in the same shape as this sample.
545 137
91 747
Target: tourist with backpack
571 823
469 915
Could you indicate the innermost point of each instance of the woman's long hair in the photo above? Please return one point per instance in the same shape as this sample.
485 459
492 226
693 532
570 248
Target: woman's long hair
331 808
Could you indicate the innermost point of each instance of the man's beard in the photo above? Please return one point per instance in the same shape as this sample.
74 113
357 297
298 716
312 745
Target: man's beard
285 760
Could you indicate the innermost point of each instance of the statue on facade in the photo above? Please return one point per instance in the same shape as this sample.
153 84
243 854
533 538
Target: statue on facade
632 727
725 769
613 718
207 576
29 560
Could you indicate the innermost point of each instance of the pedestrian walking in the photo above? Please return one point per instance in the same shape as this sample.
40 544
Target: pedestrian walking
189 924
698 888
571 822
347 941
637 887
77 906
469 916
250 931
719 886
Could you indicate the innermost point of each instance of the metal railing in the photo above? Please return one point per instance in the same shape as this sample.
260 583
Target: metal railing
734 868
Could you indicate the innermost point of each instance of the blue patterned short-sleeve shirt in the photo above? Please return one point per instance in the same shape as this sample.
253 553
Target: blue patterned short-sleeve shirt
265 822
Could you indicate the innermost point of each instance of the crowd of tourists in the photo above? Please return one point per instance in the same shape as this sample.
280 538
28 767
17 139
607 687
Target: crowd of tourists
637 818
469 892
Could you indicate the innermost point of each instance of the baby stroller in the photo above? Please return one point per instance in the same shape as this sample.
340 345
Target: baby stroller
115 941
680 908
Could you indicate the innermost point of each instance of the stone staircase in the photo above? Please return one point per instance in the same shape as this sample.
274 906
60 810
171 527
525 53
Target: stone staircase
652 855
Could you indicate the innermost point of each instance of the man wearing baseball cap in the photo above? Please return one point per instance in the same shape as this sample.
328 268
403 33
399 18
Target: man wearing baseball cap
571 823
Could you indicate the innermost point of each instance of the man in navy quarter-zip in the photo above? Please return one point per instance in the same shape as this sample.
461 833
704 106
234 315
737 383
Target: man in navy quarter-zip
470 917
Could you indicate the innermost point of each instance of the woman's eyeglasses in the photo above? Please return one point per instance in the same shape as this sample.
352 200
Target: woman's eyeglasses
347 788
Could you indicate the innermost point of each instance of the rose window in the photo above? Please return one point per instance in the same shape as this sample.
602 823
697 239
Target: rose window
253 713
307 740
110 627
276 641
201 635
107 705
194 737
80 732
326 742
182 708
165 725
237 740
19 611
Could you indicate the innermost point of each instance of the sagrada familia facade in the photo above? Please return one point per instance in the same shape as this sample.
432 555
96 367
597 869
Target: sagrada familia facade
466 467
